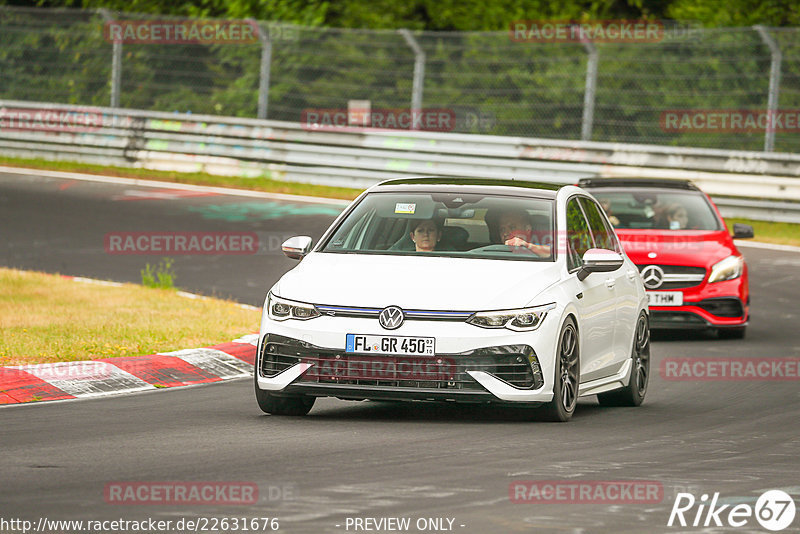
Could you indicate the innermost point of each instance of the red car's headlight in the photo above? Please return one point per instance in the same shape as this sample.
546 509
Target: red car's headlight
727 269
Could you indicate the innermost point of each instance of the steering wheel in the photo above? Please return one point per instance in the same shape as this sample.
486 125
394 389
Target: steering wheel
502 248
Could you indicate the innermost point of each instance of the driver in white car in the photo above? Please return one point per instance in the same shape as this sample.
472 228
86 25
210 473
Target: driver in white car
515 229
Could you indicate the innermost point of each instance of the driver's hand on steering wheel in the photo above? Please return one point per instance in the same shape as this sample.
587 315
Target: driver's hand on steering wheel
517 242
539 250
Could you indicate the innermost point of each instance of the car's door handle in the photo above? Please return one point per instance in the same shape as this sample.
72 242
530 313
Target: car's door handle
610 283
631 275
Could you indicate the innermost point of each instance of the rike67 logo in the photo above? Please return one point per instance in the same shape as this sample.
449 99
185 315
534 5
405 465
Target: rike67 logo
774 510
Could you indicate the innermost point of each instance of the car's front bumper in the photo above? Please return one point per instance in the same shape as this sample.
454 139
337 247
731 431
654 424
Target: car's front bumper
718 305
470 365
681 319
700 315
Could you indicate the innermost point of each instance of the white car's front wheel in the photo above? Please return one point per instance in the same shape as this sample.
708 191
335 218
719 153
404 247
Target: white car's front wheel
282 405
567 375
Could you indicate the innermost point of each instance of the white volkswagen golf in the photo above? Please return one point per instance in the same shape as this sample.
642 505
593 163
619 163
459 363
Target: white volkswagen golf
469 290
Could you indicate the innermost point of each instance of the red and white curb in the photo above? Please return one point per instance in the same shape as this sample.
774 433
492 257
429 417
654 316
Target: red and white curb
114 376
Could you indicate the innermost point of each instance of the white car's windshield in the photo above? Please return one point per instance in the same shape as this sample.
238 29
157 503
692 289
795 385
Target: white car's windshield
654 209
447 224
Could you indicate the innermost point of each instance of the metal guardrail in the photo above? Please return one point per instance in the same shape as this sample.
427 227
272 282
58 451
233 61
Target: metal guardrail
359 157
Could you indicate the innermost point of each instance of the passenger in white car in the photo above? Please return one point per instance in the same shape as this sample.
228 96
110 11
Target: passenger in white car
426 234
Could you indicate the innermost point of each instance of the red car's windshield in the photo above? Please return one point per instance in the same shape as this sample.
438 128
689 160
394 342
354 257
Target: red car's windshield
655 209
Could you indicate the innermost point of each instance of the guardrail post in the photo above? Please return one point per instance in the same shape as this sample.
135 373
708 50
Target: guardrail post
116 64
774 85
589 91
419 73
266 64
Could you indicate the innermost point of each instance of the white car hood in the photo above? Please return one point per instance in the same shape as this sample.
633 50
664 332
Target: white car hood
416 283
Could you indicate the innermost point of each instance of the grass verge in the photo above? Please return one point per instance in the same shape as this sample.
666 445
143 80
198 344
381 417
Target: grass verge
771 232
46 318
196 178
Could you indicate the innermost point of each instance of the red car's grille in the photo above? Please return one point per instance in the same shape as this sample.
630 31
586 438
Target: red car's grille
679 276
723 307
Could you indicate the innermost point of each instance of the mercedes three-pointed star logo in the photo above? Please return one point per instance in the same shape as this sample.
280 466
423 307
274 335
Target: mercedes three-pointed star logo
652 276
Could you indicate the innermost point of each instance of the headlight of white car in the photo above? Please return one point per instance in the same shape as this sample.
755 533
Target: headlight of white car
727 269
519 320
279 309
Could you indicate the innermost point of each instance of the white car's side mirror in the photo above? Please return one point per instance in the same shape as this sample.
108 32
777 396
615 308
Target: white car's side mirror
297 247
597 260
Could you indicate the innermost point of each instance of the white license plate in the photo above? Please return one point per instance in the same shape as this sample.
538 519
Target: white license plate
665 298
401 345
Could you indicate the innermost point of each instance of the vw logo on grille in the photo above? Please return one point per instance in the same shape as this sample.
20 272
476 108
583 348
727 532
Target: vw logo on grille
391 318
652 276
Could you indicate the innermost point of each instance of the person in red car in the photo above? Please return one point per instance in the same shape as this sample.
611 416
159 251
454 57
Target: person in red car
672 217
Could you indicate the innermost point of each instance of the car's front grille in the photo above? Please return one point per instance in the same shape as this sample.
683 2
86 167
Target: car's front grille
679 276
515 364
430 315
722 307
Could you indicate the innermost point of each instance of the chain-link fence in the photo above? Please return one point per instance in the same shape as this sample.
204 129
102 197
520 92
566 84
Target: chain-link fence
494 84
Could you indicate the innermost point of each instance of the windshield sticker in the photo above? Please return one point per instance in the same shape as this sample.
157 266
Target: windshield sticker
405 208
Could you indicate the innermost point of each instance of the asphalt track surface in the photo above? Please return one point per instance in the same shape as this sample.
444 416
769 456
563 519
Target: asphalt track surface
369 459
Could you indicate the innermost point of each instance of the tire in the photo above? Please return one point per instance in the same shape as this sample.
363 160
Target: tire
282 405
731 333
567 376
633 394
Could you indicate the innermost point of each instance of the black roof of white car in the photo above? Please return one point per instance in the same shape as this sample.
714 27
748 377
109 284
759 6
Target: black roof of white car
488 185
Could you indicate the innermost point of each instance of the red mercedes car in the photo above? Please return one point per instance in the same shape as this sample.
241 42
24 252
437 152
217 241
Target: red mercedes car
694 275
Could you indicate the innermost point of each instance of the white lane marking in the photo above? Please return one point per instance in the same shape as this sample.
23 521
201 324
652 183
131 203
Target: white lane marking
203 297
97 282
171 194
767 246
191 295
179 293
249 338
87 378
214 361
187 187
